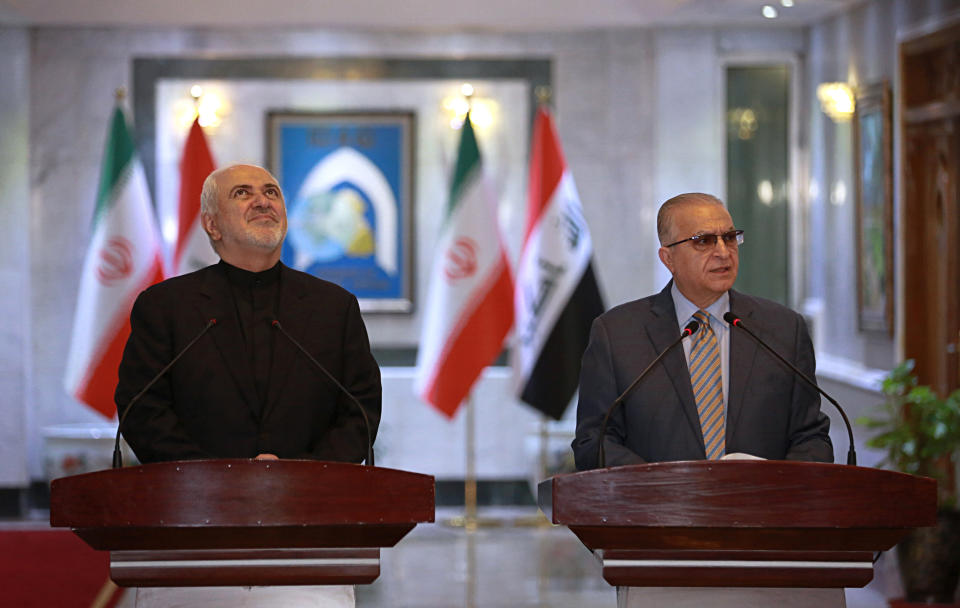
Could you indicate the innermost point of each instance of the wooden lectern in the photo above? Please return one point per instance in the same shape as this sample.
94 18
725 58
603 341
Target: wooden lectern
243 522
738 523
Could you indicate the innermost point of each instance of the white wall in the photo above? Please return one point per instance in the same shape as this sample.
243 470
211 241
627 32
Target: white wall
639 113
15 317
859 48
604 114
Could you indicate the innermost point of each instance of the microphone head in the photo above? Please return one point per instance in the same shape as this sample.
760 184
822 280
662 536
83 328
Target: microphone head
731 318
691 328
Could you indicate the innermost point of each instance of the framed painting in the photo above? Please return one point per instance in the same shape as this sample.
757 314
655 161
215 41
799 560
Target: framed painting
874 196
347 179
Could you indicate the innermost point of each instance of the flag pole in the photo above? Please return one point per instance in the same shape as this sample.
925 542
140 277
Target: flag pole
544 440
538 519
470 521
543 93
470 479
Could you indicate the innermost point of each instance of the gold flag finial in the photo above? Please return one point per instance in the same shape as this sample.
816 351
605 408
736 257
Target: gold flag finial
120 94
543 94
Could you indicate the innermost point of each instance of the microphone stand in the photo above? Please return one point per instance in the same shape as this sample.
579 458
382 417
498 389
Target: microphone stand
734 320
363 412
117 457
691 328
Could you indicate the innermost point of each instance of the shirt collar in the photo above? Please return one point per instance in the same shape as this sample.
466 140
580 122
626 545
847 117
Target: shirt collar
686 309
245 278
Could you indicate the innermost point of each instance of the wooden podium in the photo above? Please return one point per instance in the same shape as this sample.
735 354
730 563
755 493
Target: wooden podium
243 522
738 523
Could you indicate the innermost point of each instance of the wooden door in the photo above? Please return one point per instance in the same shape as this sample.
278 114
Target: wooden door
930 115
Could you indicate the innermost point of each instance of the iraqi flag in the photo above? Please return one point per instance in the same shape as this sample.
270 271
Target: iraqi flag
469 308
556 296
193 250
123 259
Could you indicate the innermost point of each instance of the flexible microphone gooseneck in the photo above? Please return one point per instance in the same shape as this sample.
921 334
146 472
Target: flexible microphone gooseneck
691 328
117 457
363 412
735 321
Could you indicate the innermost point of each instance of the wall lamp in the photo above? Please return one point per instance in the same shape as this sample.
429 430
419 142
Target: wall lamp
836 100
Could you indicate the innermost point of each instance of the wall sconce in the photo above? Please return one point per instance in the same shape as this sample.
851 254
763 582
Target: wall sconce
206 105
481 110
836 100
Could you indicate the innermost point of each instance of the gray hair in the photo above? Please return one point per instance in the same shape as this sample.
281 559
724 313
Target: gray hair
665 215
210 193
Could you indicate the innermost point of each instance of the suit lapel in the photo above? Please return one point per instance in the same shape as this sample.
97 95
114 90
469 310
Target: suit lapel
292 313
216 303
662 332
743 351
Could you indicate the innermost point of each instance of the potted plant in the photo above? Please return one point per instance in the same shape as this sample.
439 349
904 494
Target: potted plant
920 432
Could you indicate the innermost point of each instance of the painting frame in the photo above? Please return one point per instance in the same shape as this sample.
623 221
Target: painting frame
873 167
369 156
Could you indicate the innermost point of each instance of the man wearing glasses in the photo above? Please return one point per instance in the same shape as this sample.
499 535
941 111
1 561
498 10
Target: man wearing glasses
720 394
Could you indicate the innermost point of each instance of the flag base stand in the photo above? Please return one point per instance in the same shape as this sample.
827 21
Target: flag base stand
470 521
533 521
471 525
539 520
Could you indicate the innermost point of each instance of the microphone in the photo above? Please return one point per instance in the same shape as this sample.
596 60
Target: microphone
117 457
734 320
691 328
354 400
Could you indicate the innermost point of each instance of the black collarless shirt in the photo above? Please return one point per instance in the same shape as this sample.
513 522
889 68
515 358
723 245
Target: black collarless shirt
256 297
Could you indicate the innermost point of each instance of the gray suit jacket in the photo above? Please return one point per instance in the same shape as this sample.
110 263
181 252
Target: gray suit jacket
770 412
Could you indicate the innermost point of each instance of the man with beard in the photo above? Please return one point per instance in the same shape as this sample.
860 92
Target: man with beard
720 394
244 390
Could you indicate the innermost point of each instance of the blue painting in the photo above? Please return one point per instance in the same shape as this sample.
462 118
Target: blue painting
347 183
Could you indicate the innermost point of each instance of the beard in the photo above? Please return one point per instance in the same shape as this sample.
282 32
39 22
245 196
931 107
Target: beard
265 237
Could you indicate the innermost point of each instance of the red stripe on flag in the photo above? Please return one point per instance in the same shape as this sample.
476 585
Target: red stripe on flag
473 346
195 165
546 168
100 383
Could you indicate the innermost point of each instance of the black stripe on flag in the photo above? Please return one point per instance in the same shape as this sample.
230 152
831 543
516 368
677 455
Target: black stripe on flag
556 374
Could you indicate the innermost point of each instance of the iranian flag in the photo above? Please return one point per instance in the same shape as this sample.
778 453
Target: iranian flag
556 297
193 250
123 258
469 309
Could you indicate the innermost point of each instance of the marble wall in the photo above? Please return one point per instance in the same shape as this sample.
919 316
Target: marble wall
604 112
15 318
859 47
640 116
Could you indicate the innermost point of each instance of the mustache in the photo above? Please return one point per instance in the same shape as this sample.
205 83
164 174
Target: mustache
263 211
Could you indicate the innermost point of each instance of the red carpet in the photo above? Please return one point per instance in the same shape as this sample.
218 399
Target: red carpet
53 568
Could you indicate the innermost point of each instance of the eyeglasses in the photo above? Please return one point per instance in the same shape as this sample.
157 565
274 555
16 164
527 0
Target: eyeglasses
703 242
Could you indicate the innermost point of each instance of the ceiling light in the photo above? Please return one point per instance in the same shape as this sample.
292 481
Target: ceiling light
786 3
769 12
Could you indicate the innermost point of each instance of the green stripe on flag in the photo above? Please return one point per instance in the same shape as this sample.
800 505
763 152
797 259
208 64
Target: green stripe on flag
468 163
117 157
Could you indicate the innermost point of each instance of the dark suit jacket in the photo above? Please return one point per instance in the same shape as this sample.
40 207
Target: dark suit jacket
206 405
770 412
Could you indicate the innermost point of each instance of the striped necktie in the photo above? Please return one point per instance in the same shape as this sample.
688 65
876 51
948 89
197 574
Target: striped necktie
707 381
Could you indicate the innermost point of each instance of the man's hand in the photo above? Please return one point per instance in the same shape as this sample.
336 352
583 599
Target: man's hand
267 457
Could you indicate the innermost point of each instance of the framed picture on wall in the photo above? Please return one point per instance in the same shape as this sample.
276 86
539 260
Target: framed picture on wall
874 194
348 179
